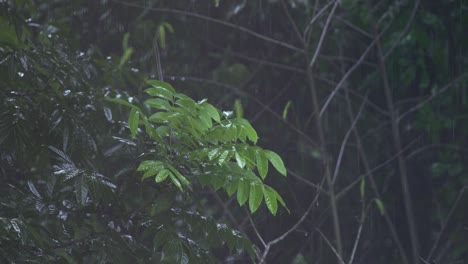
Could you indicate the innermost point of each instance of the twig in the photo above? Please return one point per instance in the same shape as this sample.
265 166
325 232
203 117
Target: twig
432 96
345 140
331 246
322 36
213 20
401 161
446 224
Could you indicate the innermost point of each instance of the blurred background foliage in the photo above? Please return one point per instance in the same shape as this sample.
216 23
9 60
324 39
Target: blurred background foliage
70 192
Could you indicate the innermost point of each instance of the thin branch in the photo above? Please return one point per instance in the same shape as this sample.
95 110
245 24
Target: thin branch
345 140
253 98
401 161
432 96
312 21
404 32
345 77
213 20
446 224
322 36
255 229
331 246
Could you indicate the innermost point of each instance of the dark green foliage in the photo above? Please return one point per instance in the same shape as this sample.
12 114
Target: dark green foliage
100 162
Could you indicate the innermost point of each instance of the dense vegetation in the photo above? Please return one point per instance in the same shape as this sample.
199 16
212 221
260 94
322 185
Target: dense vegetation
110 153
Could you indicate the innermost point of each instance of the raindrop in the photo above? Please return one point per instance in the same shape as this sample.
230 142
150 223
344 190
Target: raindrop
108 57
28 20
182 78
90 107
81 54
62 215
172 78
118 96
130 99
66 92
135 70
20 74
108 113
67 203
49 36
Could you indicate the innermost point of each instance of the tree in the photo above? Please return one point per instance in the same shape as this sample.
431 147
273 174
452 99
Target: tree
365 100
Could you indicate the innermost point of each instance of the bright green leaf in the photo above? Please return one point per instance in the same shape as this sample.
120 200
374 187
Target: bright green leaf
158 103
277 162
160 92
133 120
176 181
256 196
240 160
270 200
243 190
286 109
238 109
161 84
262 163
162 175
162 37
212 111
380 206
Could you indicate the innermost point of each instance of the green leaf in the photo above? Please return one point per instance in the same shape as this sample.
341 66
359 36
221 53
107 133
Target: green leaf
160 92
212 111
270 200
249 130
240 160
162 175
158 103
125 40
232 187
223 157
122 102
243 190
213 153
279 198
150 164
133 121
149 173
262 163
380 206
169 27
238 109
256 196
176 182
127 53
161 84
286 109
276 160
162 37
181 178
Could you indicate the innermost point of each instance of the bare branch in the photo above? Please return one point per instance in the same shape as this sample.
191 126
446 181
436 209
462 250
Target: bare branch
213 20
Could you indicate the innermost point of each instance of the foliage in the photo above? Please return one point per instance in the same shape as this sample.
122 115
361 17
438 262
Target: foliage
329 85
217 154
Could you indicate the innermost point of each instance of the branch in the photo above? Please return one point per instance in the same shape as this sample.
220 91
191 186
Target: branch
213 20
401 162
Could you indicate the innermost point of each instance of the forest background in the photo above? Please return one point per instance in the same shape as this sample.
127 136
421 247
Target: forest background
366 102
